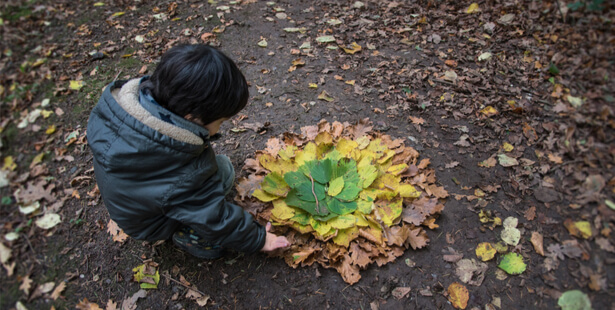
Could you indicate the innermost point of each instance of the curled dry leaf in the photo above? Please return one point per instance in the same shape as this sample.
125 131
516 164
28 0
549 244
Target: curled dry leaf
116 232
537 242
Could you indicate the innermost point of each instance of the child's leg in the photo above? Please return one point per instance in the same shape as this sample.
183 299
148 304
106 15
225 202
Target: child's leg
187 239
226 172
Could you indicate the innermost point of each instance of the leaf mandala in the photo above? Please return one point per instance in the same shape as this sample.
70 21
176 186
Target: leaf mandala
344 196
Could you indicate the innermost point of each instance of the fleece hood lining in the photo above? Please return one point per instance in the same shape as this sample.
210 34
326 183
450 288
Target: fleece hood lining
128 98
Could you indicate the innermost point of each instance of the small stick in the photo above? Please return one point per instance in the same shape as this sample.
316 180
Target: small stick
118 74
184 285
315 197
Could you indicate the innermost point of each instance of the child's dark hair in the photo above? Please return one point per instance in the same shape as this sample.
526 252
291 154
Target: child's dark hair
198 80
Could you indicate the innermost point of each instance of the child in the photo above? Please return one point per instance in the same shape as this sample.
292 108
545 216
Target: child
154 164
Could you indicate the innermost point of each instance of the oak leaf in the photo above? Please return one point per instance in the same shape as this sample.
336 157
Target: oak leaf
116 232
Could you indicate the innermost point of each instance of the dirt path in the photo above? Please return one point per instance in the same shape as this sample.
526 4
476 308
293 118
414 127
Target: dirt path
512 103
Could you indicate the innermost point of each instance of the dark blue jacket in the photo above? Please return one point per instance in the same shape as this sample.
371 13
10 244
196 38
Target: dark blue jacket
156 170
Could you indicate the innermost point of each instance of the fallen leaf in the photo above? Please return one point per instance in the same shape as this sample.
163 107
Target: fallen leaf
507 161
325 96
512 263
111 305
530 214
400 292
116 232
130 303
26 283
471 271
76 85
85 304
485 251
48 221
458 295
484 56
325 39
5 253
537 242
473 8
574 300
57 292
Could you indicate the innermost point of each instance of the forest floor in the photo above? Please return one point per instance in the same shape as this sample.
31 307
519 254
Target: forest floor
511 102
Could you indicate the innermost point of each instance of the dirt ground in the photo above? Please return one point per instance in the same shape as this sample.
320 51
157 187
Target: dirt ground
530 80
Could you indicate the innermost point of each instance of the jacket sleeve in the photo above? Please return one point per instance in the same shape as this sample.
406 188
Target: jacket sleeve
220 222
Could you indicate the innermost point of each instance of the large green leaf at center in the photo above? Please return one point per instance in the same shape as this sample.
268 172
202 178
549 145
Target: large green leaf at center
306 191
292 199
319 170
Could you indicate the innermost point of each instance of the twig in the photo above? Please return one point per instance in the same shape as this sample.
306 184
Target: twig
184 285
315 197
32 248
560 11
118 74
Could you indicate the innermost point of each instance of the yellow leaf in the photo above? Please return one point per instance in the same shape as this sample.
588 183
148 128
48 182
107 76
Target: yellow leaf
361 221
280 166
323 137
335 186
76 85
458 295
281 210
117 14
46 113
387 155
51 129
312 85
325 96
288 152
388 181
307 154
354 47
37 159
408 191
489 111
389 212
345 146
485 251
322 228
99 4
9 164
472 8
343 222
264 196
397 169
363 142
584 228
344 236
508 147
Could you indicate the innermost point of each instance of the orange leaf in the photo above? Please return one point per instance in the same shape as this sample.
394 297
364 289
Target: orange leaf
451 63
537 243
458 295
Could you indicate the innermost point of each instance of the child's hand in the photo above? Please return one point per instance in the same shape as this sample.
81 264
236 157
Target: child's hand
274 242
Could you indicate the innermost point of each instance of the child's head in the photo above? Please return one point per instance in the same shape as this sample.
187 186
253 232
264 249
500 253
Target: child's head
200 82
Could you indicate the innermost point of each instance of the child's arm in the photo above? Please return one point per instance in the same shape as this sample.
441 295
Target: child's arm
273 242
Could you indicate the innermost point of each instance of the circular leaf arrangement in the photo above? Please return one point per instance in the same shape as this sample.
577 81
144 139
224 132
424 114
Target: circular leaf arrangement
343 195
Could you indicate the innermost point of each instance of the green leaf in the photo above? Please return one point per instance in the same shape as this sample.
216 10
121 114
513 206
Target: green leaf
335 186
324 218
304 191
274 184
342 207
325 39
341 167
365 206
139 275
350 191
574 300
302 218
334 156
294 178
293 200
553 69
512 263
319 170
610 204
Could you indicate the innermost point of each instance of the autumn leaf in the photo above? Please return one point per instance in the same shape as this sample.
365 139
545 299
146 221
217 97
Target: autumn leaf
116 232
485 251
57 292
325 96
458 295
146 275
85 304
574 300
537 242
581 229
471 271
512 263
26 283
489 111
472 8
507 161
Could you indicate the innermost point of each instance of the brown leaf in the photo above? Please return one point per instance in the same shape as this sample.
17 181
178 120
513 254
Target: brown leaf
252 164
458 295
362 128
58 290
350 273
111 305
246 186
451 63
116 232
397 235
359 256
605 244
530 214
597 282
537 240
471 271
273 146
130 303
416 120
437 191
337 129
26 283
529 132
35 192
310 132
143 70
85 304
417 238
400 292
424 163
